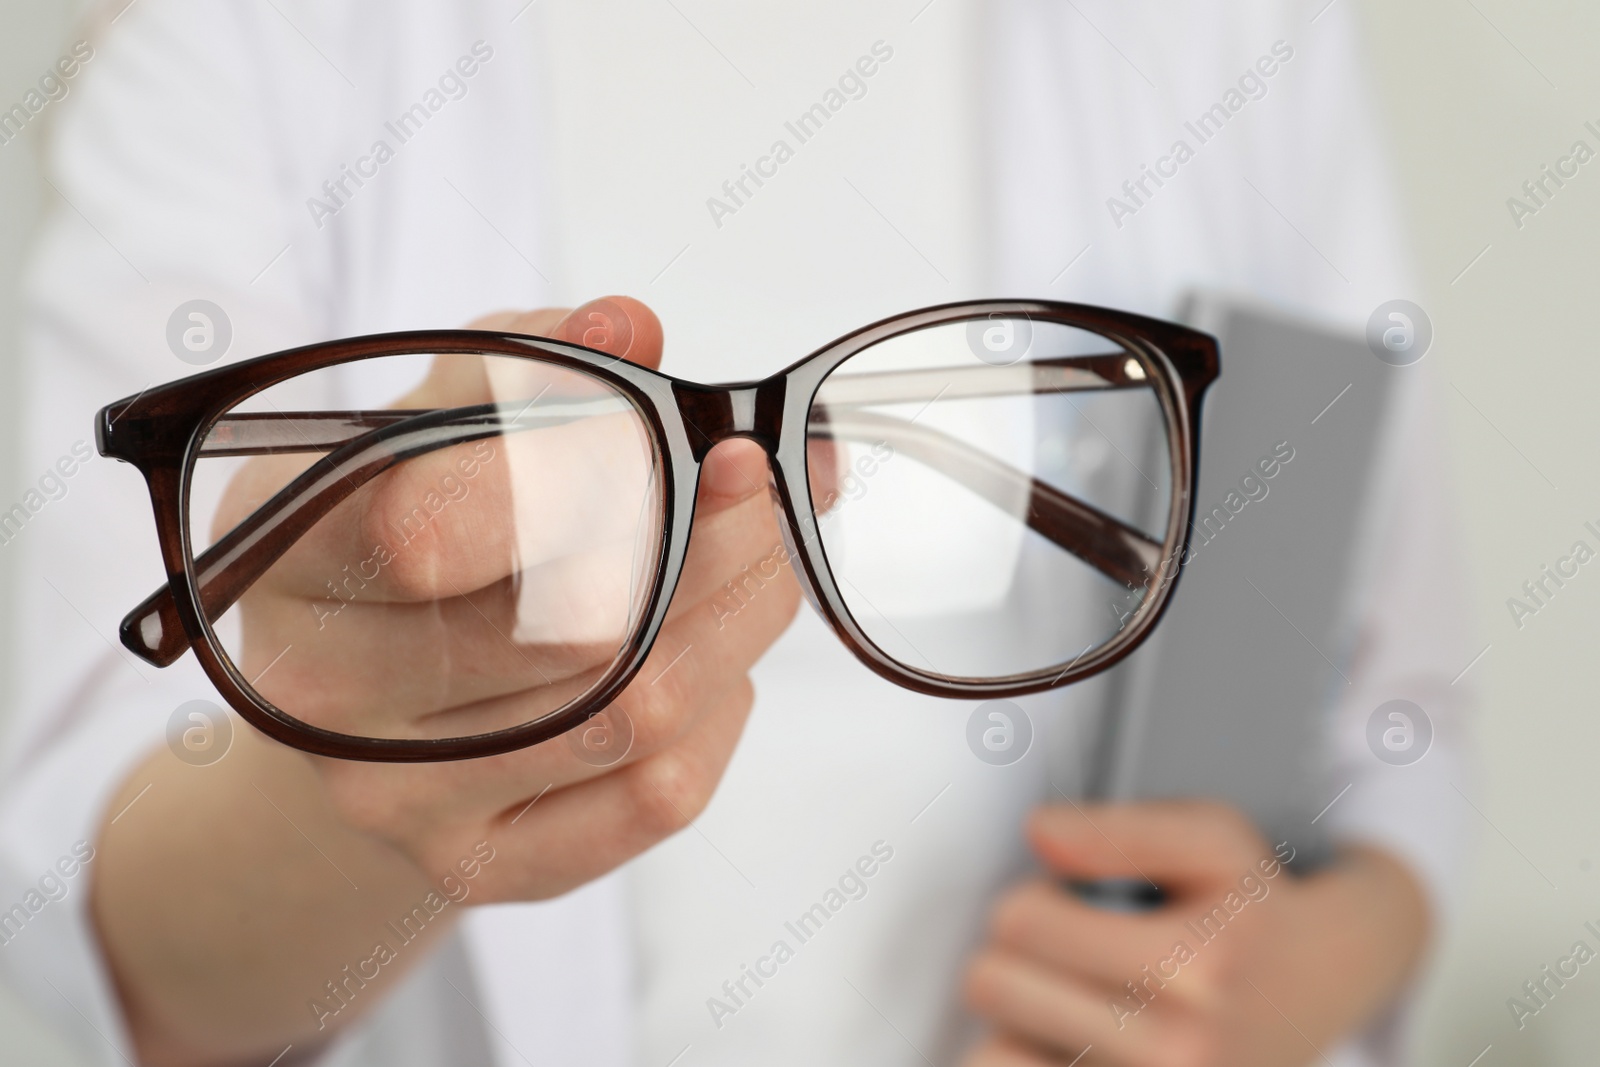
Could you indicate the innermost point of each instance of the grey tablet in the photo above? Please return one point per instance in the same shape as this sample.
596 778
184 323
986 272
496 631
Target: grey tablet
1231 696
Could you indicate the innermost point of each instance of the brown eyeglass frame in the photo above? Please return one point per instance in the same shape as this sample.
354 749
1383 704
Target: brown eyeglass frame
167 429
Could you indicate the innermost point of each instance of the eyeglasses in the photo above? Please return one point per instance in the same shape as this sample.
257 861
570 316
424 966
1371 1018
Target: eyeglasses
982 499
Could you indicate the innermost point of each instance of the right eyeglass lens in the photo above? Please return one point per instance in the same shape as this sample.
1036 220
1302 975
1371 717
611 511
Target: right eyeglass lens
428 546
994 495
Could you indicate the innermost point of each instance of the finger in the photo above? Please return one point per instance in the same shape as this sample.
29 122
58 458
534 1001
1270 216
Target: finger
1064 1015
584 478
1001 1051
533 497
733 471
492 658
625 327
1186 846
827 461
617 325
697 654
474 513
695 658
583 493
574 835
1042 922
733 554
574 568
410 670
701 645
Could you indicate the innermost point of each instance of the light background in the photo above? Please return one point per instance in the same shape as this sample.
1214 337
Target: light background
1477 95
30 35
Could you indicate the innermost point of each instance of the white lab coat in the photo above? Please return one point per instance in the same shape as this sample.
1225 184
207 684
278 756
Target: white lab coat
580 160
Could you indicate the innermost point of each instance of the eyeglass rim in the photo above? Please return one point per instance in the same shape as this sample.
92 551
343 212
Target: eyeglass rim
160 431
1182 438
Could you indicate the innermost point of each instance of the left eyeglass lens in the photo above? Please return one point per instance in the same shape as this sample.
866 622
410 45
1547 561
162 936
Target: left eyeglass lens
428 546
993 496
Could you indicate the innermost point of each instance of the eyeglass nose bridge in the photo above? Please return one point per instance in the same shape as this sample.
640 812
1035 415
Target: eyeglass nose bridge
714 413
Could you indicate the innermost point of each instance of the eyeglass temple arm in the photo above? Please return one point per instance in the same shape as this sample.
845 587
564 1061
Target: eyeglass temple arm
1060 374
154 632
275 432
1119 551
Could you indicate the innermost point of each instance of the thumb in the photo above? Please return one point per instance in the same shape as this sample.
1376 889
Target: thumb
1183 846
624 327
616 325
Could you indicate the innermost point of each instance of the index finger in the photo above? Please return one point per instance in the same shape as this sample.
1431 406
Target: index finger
1187 846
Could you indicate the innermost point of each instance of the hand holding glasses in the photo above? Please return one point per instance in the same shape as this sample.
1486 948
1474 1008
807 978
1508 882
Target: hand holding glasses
982 499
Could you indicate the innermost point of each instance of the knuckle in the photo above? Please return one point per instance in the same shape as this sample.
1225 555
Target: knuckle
669 792
395 511
981 985
657 706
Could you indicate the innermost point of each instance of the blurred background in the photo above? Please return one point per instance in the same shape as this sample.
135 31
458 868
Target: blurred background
1477 96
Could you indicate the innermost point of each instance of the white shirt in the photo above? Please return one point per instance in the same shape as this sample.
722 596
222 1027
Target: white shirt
581 160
